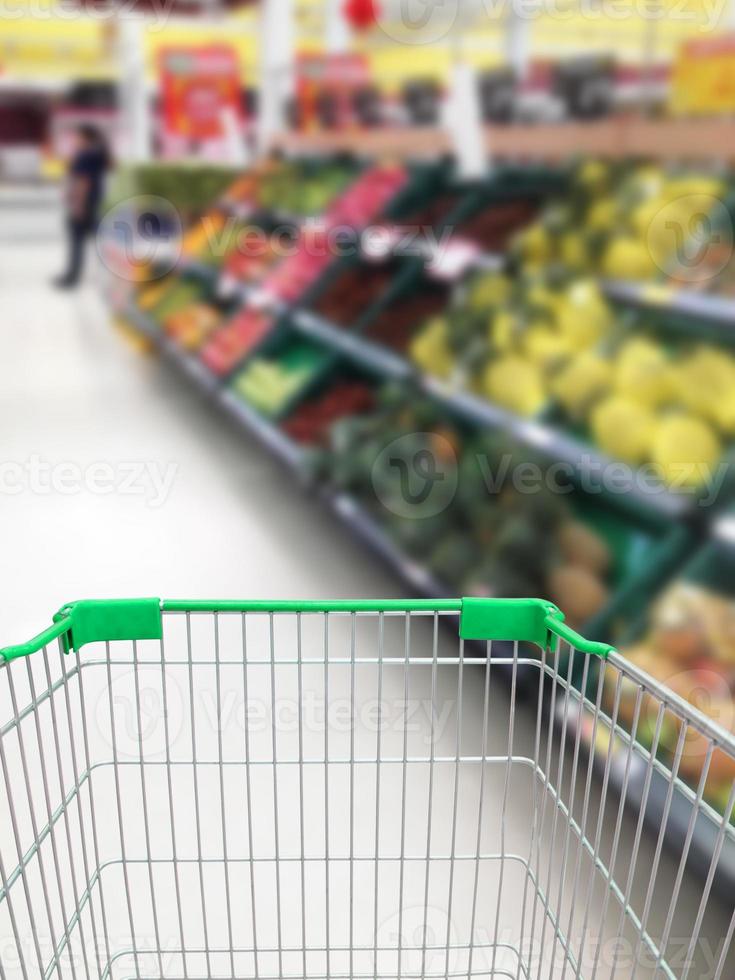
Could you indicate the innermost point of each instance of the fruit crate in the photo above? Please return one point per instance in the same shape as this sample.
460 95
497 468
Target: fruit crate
306 186
429 186
393 322
239 337
353 287
434 197
527 188
423 192
282 372
343 393
161 299
505 538
661 379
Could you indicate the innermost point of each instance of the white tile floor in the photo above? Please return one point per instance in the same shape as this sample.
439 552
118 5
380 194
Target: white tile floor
74 394
78 408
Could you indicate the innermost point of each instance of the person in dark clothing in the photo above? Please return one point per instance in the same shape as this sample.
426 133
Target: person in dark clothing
85 187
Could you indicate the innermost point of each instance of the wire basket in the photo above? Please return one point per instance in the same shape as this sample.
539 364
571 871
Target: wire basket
349 790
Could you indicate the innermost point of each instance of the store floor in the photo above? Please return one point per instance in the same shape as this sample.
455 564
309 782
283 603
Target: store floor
118 480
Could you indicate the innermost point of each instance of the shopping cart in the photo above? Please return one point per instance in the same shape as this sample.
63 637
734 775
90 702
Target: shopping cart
343 790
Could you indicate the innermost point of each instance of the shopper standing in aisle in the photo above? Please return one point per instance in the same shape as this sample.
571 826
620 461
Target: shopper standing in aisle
84 190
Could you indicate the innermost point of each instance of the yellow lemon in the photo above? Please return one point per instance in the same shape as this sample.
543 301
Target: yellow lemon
587 377
686 449
516 384
623 428
545 347
628 258
643 373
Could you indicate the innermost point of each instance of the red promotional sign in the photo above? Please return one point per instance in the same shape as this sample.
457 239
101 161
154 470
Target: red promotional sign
336 76
199 86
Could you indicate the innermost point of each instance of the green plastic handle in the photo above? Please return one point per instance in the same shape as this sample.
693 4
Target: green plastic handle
60 627
107 620
312 606
592 647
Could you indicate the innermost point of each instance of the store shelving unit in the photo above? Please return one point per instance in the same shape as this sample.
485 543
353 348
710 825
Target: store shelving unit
660 298
350 343
480 412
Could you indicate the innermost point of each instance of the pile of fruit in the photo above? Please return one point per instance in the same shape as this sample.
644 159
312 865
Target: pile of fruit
235 339
191 326
689 647
214 238
311 422
168 297
396 324
432 213
467 523
508 339
253 259
270 383
492 226
367 197
301 191
353 292
620 221
647 403
362 202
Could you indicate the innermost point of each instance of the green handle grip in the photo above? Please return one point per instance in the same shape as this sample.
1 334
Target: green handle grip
59 627
106 620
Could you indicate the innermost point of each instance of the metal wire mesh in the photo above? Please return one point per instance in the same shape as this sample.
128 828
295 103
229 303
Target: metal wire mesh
352 795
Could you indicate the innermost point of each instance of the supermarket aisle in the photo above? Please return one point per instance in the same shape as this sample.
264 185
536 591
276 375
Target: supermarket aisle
124 482
120 481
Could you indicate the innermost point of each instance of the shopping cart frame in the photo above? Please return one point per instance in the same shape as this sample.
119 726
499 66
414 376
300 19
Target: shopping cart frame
482 622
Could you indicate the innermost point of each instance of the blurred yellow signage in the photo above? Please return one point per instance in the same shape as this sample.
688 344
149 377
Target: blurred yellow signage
704 77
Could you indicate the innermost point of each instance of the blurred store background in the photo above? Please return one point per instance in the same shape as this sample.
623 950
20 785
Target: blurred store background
464 269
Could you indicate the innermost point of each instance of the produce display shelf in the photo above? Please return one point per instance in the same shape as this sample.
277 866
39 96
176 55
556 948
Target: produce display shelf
268 434
479 412
189 365
476 412
142 323
357 519
703 835
186 363
207 272
352 514
361 352
650 296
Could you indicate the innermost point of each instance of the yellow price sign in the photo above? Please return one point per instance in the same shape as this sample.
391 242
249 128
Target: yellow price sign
704 77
